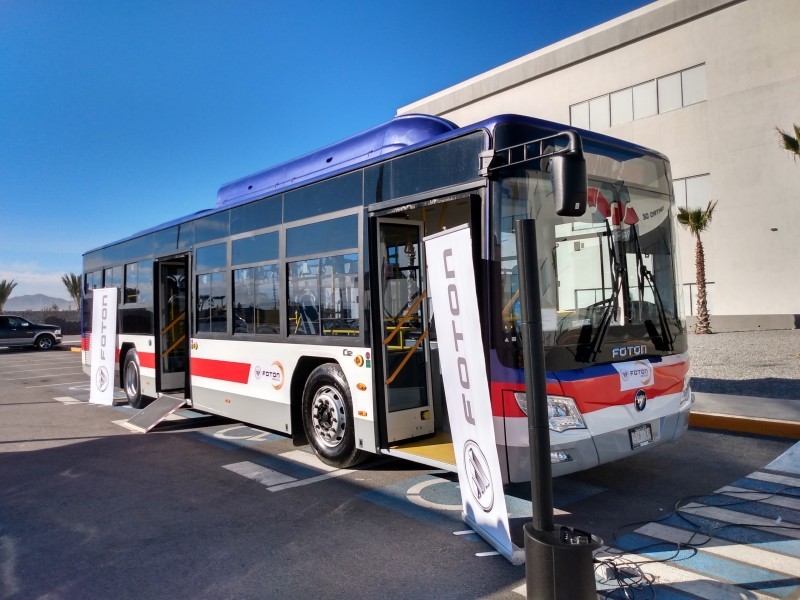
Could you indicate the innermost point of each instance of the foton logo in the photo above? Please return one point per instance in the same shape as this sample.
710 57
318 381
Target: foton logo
273 374
634 375
628 351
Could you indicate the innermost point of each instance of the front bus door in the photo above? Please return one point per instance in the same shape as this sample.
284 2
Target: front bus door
404 310
172 323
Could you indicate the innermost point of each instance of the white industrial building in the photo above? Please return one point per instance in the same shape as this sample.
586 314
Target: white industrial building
706 82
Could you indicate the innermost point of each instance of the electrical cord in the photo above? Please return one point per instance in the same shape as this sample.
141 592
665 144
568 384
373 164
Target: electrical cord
628 576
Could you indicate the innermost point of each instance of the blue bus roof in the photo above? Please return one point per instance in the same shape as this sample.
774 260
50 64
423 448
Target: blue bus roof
398 135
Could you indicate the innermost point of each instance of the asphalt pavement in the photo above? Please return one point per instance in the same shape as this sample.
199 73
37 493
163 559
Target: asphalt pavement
741 541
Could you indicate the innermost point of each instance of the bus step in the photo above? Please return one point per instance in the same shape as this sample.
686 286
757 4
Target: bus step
154 413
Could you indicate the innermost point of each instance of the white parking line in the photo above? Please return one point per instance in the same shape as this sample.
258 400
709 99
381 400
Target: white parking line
48 368
32 376
29 387
262 475
276 481
68 400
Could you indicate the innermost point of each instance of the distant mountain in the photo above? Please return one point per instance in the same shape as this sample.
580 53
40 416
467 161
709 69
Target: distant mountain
36 302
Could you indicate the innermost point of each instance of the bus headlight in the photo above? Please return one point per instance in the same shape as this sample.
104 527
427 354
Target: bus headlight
562 412
687 397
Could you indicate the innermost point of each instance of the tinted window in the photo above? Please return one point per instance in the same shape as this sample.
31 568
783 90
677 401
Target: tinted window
211 257
323 296
326 236
212 303
139 282
211 227
259 248
255 300
324 197
166 241
447 164
256 215
186 235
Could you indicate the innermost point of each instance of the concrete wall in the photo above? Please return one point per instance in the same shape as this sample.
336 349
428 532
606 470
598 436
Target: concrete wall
752 57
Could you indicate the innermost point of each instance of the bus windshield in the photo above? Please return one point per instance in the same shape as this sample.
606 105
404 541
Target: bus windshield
607 279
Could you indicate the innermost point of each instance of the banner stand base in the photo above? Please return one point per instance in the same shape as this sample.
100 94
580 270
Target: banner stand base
516 555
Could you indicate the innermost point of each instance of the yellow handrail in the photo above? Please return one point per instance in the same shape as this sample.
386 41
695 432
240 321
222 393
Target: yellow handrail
404 318
175 345
406 358
175 322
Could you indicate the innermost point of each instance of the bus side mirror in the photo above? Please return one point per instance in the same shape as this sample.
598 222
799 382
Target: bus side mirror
568 173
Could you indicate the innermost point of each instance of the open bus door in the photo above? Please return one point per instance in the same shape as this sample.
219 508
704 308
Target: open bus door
172 323
405 334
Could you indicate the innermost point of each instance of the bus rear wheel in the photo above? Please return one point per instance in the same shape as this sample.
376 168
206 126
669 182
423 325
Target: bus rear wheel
132 381
328 417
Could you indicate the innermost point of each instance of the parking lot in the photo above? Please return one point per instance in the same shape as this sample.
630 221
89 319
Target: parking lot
204 507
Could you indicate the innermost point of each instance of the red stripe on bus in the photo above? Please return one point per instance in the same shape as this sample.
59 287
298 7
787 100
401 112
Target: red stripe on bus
147 359
221 369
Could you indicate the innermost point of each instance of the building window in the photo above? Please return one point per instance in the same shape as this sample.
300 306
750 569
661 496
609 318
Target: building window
694 192
694 85
669 93
646 99
622 106
579 115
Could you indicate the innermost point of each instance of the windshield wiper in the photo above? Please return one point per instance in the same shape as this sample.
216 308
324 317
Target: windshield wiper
610 311
667 342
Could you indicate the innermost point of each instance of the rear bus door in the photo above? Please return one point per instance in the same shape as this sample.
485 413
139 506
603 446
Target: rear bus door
172 323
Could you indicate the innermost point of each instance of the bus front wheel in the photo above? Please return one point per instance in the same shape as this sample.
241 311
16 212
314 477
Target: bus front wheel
328 417
132 381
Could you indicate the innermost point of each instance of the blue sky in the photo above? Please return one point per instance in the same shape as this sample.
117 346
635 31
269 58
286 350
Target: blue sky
117 116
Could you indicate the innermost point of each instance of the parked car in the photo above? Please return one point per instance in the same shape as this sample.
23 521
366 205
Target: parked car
16 331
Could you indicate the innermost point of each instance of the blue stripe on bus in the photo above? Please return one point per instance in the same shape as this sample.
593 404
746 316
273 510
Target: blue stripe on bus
714 567
745 535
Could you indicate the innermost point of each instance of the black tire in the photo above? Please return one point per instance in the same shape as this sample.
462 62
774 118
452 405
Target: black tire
328 417
132 381
45 342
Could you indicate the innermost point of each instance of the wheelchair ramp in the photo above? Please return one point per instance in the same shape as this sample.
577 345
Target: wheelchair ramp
158 410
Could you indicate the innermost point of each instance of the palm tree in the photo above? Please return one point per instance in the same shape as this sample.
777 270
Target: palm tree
697 221
73 283
6 287
789 142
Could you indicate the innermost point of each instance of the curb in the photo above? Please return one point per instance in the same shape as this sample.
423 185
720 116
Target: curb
754 425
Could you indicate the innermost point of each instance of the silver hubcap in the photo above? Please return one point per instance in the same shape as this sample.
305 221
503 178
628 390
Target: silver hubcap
328 416
131 380
45 344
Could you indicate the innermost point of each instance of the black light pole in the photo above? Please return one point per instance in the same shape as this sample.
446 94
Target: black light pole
558 561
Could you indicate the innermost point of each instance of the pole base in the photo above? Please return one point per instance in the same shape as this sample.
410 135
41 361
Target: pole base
559 564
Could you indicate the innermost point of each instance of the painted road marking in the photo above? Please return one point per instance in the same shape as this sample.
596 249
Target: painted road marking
773 478
750 555
68 400
30 387
665 573
275 481
744 495
262 475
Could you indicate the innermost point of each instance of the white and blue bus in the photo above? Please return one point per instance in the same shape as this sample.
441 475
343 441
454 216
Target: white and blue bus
298 303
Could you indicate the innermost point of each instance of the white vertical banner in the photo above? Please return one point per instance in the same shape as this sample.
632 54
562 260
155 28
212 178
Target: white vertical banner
451 285
103 345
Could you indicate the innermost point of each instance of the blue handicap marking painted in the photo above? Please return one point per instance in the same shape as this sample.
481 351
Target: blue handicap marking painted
233 436
788 462
436 499
745 576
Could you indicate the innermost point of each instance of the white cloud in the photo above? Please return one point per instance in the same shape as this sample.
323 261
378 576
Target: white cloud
32 279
